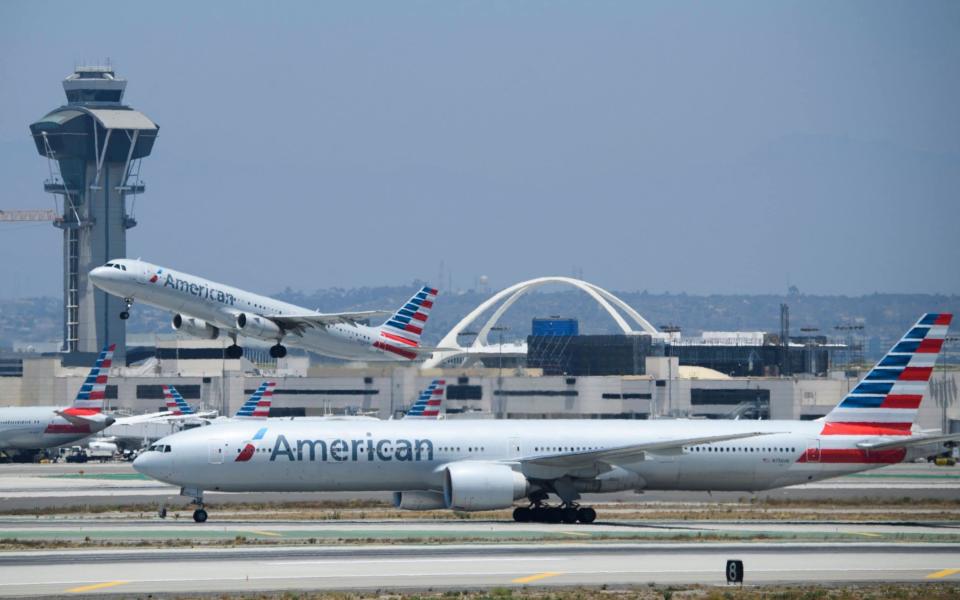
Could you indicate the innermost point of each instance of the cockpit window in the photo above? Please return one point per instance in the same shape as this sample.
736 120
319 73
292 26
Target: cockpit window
108 265
166 448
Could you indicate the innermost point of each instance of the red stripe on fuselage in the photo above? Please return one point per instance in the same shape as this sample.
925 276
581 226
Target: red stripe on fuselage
398 338
839 428
246 454
399 351
67 428
855 455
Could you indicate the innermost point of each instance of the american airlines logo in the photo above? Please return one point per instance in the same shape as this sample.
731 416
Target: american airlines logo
199 290
355 450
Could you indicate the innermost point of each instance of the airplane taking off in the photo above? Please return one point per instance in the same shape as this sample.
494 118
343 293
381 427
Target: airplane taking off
489 464
41 427
206 309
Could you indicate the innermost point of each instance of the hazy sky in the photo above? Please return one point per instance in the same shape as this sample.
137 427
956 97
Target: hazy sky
701 147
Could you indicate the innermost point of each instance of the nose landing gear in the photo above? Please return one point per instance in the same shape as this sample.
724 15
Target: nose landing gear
125 313
199 515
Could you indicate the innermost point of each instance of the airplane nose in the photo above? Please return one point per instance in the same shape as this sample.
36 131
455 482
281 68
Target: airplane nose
109 421
101 274
149 464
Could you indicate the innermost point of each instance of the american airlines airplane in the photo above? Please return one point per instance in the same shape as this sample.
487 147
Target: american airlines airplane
207 309
41 427
490 464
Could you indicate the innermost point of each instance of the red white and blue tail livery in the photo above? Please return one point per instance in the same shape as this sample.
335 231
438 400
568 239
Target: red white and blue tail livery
258 405
428 404
93 391
887 400
176 405
400 334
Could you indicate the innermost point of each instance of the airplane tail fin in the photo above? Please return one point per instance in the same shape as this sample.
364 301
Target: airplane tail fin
428 403
887 400
176 405
258 405
400 334
93 391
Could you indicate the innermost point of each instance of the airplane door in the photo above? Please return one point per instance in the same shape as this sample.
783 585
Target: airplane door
813 451
216 452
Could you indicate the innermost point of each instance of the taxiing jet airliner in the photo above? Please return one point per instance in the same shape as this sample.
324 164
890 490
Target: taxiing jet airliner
40 427
482 465
205 309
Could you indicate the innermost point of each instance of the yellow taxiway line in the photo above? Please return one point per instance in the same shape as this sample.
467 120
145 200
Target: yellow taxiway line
95 586
536 577
943 573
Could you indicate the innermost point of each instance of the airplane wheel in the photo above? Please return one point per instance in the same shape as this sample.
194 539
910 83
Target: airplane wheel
234 352
200 515
586 515
569 515
124 316
553 515
278 351
162 513
522 514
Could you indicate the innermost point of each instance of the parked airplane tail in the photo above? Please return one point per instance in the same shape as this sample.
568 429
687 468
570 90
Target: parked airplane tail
176 405
887 400
428 404
258 405
400 334
93 391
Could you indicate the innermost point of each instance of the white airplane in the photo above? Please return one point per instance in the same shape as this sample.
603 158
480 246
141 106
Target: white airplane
41 427
206 309
482 465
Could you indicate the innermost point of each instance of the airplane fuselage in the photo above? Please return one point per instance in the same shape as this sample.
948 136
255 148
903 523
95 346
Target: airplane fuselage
303 455
40 427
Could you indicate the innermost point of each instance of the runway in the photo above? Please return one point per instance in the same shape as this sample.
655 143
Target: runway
59 485
465 566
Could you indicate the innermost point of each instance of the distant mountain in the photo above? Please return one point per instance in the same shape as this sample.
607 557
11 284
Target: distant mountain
884 316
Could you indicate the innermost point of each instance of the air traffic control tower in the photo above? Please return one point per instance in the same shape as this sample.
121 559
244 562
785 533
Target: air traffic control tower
94 145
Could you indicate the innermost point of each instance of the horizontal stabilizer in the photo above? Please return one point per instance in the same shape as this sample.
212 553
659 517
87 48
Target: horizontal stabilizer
916 440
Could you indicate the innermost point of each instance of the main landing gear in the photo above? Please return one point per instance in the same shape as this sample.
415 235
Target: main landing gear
568 513
125 313
233 351
278 351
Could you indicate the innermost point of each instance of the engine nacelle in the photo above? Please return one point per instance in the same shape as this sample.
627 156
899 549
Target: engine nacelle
616 479
482 486
418 500
258 327
195 327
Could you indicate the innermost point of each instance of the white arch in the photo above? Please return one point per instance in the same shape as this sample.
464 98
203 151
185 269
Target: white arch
513 293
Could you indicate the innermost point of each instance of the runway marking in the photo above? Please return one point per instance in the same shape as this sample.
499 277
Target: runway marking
575 533
865 533
943 573
267 533
95 586
536 577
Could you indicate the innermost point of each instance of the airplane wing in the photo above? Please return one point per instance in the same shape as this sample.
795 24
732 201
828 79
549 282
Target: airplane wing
907 441
298 322
161 416
588 458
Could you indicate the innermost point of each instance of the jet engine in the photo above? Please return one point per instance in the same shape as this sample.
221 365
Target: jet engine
195 327
258 327
482 486
418 500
